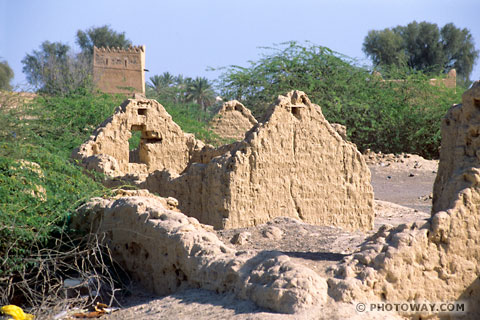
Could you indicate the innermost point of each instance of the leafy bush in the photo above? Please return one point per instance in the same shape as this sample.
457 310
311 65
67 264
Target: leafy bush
62 123
192 119
36 202
190 116
388 116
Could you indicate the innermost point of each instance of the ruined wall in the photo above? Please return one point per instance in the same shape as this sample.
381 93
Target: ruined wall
292 164
118 70
167 251
163 144
439 261
450 80
460 135
297 165
232 121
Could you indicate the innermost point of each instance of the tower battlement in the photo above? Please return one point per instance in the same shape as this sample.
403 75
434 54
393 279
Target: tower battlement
119 70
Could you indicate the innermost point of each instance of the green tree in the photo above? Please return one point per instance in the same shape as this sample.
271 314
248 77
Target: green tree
200 91
44 66
159 82
6 75
423 46
55 69
101 37
165 87
182 83
320 72
385 47
387 116
459 50
155 82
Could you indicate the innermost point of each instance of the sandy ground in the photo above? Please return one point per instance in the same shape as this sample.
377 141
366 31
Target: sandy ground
402 186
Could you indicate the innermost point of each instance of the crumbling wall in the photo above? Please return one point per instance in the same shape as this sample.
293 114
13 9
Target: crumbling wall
460 139
163 144
341 130
291 164
232 121
439 261
450 81
295 164
166 251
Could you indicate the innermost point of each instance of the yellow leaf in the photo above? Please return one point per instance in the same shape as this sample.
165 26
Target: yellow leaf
15 312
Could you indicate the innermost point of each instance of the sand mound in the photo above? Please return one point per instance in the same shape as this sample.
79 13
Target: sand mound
167 251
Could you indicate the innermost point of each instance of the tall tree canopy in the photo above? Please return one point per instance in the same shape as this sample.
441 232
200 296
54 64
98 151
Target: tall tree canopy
45 65
55 69
423 46
6 75
101 37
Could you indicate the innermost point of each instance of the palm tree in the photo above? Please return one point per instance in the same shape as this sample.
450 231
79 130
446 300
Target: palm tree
200 90
167 79
163 81
182 84
155 83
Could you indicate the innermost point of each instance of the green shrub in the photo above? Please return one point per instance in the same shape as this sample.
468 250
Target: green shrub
389 116
62 123
35 206
36 203
192 119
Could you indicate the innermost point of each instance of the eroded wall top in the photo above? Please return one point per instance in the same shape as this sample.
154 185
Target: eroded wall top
232 121
163 144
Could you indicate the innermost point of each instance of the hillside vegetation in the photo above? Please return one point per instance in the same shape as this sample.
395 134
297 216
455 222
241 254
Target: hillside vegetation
39 186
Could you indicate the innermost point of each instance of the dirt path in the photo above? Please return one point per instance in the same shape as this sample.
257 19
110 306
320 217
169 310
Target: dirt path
402 185
410 188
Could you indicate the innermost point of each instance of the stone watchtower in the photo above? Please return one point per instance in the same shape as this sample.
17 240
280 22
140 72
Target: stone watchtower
118 70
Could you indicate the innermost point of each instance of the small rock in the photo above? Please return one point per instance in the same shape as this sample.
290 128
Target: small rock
240 238
272 232
172 202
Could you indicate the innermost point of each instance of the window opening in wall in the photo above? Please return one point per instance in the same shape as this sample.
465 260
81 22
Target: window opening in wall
106 62
296 112
142 111
476 103
134 143
134 140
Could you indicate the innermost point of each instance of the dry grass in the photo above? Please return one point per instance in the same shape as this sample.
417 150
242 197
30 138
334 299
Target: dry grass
72 273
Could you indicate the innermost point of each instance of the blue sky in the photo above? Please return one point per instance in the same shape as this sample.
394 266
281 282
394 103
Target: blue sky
187 37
